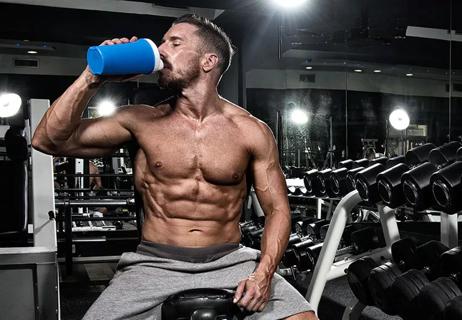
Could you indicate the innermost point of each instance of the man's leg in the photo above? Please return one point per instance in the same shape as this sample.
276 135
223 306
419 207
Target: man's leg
303 316
137 291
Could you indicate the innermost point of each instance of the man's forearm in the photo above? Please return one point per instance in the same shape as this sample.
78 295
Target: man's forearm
64 115
274 241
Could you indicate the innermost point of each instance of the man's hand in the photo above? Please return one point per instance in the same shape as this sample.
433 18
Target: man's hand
94 79
253 292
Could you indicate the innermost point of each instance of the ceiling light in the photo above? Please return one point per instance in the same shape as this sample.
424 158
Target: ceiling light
299 116
399 119
308 68
377 70
9 104
409 74
289 3
358 70
32 52
105 108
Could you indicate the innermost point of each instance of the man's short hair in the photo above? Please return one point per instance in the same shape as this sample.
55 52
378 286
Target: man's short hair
213 36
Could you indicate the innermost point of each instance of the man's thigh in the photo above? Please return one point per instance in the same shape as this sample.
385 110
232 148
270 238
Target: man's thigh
137 293
285 301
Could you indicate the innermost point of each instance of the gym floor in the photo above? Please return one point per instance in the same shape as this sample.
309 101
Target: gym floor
79 290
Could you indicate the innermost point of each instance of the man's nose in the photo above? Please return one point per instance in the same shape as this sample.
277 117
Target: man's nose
162 52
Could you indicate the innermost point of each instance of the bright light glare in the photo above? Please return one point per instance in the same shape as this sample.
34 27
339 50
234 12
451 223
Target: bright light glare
289 3
299 116
399 119
105 108
9 104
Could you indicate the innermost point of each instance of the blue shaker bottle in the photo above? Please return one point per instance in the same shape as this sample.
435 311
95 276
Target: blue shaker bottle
139 57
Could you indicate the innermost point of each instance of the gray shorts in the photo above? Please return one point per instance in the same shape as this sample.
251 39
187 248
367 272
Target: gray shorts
146 278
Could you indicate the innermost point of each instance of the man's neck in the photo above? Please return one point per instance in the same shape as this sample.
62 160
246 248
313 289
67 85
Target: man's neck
198 101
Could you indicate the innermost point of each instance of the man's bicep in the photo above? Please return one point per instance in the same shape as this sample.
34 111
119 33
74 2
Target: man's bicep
269 182
97 137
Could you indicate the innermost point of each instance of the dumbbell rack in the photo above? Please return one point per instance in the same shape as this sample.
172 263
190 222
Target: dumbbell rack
326 269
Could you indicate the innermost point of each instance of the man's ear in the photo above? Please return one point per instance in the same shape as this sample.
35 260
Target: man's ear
209 61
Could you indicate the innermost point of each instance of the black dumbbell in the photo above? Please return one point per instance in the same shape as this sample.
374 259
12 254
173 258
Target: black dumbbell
251 235
299 226
459 154
382 160
303 255
447 188
364 162
351 177
425 257
337 183
320 182
308 178
406 287
357 276
394 161
450 265
419 154
366 183
444 154
311 228
380 282
389 185
416 185
433 299
366 239
453 310
348 164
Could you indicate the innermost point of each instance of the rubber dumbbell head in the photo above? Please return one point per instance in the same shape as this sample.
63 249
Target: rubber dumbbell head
381 160
320 182
453 310
365 239
450 265
389 185
361 163
405 289
447 188
351 177
366 183
419 154
444 154
394 161
308 181
380 282
428 257
416 186
433 299
403 253
348 164
337 183
357 276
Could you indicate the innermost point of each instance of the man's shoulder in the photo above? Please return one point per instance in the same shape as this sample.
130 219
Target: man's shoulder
253 129
144 111
243 118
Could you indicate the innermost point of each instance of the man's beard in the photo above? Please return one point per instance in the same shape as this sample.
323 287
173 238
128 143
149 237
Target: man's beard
179 82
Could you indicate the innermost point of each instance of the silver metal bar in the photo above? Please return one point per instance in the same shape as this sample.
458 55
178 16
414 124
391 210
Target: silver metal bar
95 203
449 229
329 249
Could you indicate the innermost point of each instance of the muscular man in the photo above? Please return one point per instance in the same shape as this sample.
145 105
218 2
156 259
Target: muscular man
196 152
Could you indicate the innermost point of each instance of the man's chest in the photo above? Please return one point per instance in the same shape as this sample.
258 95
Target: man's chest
216 154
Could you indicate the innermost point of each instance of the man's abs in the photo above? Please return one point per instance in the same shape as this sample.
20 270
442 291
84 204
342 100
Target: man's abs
189 212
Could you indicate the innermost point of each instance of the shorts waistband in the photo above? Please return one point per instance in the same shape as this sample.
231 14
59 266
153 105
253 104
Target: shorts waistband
195 255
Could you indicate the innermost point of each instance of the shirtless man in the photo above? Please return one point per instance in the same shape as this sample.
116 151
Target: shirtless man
195 154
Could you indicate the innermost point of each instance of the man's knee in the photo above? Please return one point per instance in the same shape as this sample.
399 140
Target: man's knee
309 315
